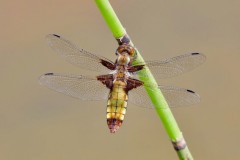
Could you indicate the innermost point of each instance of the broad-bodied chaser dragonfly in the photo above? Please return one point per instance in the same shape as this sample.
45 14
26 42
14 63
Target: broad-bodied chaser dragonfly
119 84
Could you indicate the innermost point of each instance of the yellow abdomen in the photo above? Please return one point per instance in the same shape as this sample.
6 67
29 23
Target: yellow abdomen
116 106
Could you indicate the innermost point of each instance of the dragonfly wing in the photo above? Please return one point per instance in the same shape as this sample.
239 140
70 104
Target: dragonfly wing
173 66
82 87
175 96
77 56
139 97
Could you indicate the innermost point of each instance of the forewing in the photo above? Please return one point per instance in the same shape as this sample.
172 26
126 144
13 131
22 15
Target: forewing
75 55
82 87
173 66
175 97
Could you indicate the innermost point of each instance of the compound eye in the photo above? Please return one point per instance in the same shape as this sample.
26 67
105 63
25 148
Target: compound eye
117 53
131 51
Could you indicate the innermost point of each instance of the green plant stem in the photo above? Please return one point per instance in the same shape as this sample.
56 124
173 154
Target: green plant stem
155 94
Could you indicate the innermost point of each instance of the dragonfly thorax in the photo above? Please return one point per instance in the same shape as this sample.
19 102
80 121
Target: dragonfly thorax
120 73
123 59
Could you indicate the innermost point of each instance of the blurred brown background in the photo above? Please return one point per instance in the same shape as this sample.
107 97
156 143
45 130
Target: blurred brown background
39 124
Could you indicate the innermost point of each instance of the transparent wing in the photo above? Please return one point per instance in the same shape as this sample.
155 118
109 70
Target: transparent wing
139 97
173 66
82 87
75 55
175 97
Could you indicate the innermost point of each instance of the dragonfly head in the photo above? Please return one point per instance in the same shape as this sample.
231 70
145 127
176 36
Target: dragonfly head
126 48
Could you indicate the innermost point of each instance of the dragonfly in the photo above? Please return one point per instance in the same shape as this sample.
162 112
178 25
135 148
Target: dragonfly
116 82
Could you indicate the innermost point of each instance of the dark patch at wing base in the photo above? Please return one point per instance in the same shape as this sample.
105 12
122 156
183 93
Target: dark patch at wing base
106 80
108 64
135 68
133 83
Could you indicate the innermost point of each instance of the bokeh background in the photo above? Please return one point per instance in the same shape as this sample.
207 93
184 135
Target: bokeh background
39 124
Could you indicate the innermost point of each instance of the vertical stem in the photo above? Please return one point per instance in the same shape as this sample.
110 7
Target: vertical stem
111 18
155 94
